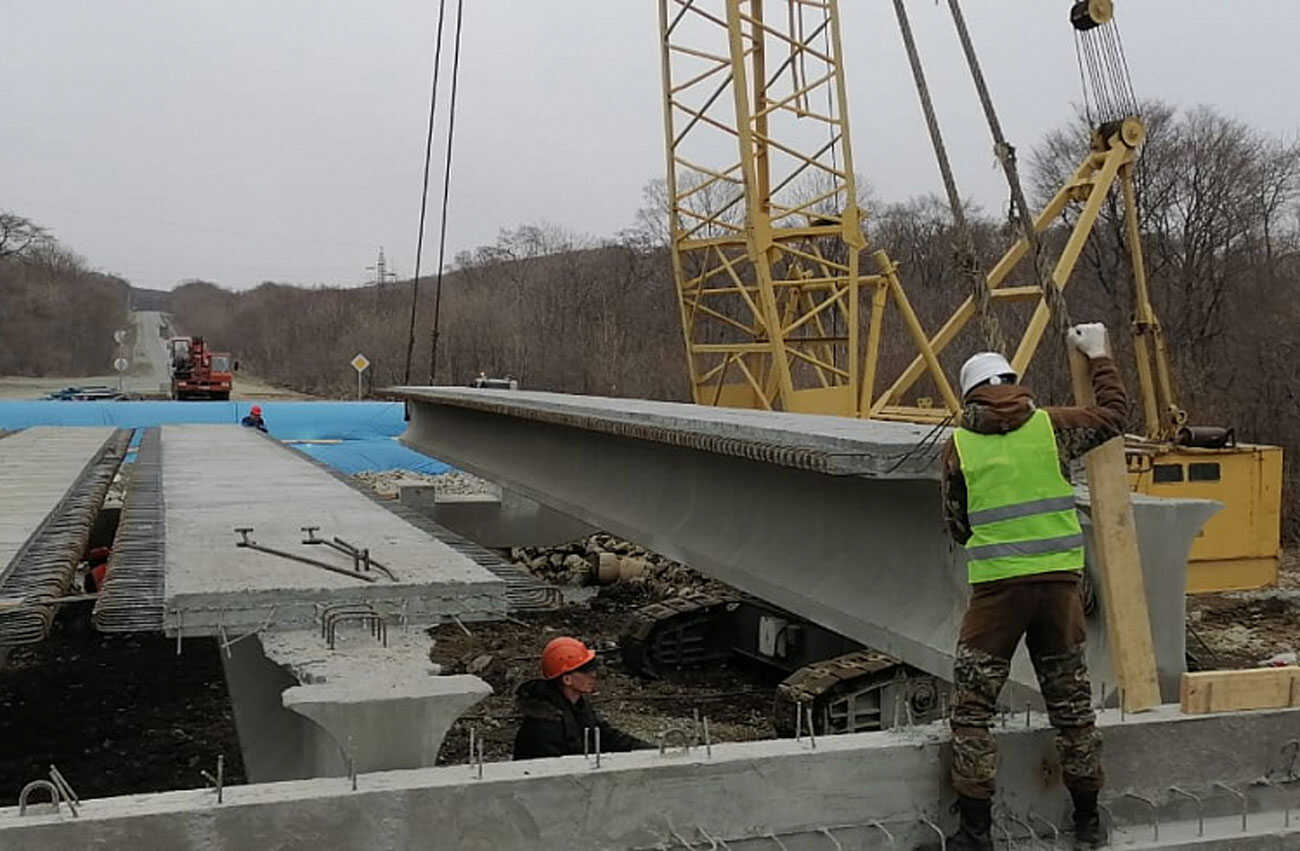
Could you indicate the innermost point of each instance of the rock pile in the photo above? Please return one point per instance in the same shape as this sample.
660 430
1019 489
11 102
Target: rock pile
602 559
386 482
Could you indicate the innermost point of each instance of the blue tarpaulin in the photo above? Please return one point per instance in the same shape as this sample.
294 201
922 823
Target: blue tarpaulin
367 431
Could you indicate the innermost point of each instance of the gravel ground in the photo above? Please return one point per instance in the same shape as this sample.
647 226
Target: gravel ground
386 482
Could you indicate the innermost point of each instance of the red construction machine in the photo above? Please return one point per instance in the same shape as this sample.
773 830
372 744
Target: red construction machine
197 372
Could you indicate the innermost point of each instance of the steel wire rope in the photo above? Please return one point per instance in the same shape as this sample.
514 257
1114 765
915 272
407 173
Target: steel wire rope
964 243
424 192
446 190
1006 155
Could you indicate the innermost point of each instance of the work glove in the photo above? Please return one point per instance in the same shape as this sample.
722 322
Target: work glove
1089 338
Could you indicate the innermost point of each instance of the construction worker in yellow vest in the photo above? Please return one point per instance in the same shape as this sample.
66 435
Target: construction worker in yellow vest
1008 500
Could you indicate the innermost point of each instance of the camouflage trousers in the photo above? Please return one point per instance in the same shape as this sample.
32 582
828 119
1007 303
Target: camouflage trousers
1049 616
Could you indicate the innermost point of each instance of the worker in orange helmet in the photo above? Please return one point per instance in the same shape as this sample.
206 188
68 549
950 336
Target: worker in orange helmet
556 710
254 419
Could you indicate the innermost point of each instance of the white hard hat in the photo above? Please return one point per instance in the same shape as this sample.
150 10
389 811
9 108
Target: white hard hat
982 366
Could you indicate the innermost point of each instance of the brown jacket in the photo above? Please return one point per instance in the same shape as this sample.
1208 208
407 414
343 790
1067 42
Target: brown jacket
997 409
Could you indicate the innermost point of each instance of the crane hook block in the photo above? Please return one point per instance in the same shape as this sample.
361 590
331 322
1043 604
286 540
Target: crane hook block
1087 14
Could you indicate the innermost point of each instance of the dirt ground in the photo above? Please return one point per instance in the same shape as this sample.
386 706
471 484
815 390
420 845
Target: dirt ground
736 698
1243 629
118 714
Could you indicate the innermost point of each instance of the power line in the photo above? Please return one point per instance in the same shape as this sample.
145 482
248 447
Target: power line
424 193
446 190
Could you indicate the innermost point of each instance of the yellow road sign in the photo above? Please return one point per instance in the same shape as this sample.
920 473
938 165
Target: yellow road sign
360 362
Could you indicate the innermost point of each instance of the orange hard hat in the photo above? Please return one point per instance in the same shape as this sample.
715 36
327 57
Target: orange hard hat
563 655
256 410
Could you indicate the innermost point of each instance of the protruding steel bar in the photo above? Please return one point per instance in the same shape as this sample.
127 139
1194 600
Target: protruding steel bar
248 543
1200 807
1155 811
27 790
943 840
1241 796
889 837
1286 805
65 791
64 786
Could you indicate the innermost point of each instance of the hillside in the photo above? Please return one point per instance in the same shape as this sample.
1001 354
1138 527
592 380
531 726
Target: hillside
57 317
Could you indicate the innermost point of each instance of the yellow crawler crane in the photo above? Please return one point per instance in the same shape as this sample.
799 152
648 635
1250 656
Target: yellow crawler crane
767 241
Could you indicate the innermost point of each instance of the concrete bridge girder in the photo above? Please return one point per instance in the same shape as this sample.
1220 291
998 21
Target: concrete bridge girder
835 528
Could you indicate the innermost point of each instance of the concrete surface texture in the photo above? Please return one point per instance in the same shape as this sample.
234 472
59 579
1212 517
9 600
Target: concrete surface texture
837 445
741 794
508 520
862 553
304 710
218 478
37 467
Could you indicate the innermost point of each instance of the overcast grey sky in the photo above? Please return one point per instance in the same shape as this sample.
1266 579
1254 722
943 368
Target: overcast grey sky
249 140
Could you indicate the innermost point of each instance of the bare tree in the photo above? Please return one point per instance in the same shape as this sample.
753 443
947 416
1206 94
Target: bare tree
19 235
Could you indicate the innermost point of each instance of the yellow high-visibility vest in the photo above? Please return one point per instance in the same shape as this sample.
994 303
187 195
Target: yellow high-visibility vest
1021 508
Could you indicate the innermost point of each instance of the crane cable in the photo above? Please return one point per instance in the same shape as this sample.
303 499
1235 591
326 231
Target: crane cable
1006 155
963 243
1099 48
446 190
424 193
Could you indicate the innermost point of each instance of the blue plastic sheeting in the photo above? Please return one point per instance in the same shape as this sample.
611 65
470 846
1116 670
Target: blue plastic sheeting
356 456
367 429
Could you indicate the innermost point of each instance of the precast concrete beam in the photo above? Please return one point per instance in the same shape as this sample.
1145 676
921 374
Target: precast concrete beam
216 479
837 520
852 787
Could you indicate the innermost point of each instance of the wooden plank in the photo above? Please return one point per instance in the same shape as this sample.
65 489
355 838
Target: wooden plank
1123 589
1232 691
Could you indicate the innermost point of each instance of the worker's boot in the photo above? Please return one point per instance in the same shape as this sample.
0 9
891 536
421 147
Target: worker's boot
974 830
1089 832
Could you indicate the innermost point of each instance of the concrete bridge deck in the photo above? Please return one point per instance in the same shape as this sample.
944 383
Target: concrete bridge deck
219 478
835 519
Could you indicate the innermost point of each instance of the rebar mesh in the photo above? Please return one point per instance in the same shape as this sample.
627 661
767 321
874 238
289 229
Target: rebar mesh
43 570
132 597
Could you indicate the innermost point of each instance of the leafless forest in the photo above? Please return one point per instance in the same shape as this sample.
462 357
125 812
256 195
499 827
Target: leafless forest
57 317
